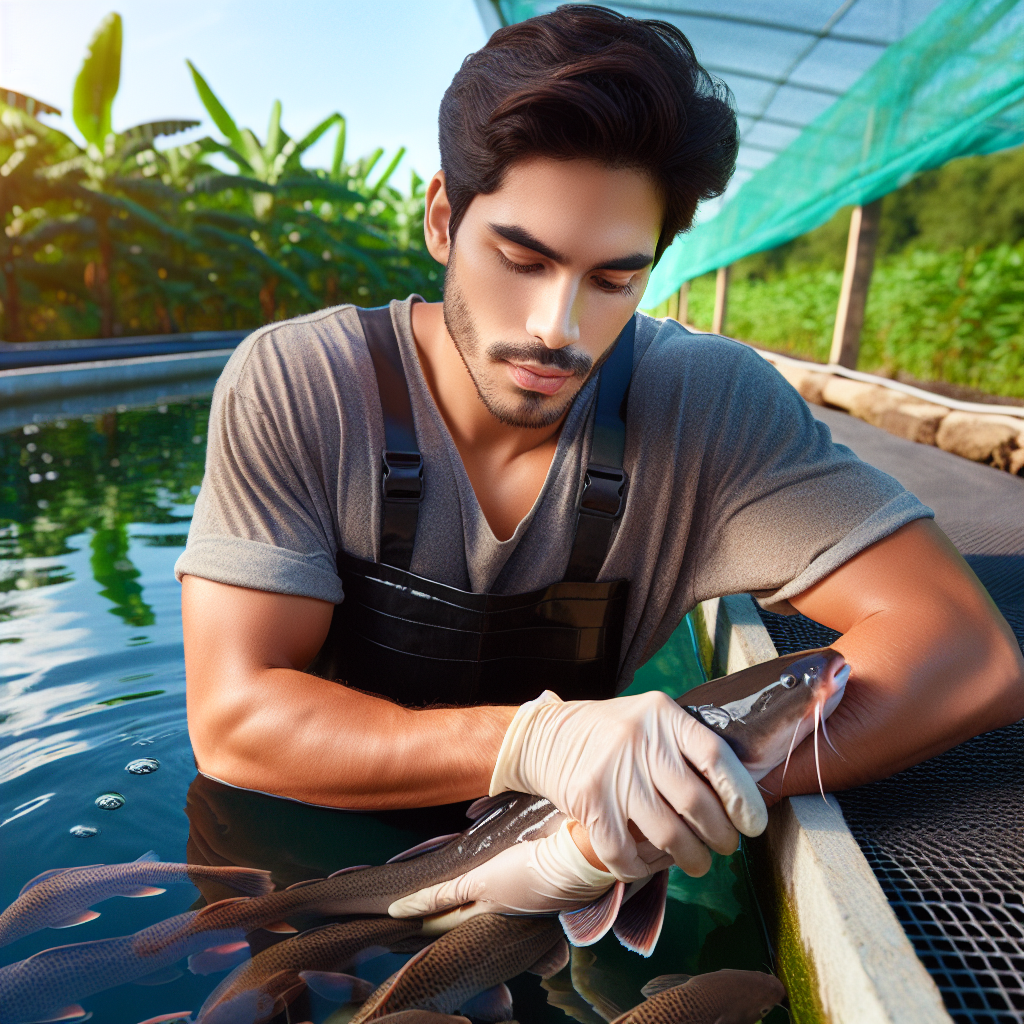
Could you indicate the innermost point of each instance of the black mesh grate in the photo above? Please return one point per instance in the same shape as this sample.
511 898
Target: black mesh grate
946 838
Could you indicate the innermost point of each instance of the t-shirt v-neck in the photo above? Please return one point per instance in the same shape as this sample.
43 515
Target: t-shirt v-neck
485 554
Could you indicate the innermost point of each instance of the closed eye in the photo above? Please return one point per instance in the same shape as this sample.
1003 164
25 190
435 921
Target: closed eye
518 268
609 286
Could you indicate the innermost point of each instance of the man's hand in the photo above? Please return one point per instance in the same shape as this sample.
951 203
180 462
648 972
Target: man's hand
637 759
539 877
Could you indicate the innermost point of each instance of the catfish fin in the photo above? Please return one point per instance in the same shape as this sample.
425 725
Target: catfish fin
149 857
664 982
185 1016
478 808
585 926
280 928
552 961
82 918
161 977
52 873
492 1005
219 958
339 988
308 881
426 847
220 903
641 918
143 890
345 871
72 1012
247 881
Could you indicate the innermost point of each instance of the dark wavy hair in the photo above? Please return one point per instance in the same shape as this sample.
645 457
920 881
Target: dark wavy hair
586 82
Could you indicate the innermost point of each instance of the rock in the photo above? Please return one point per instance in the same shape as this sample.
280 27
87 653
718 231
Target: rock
980 437
807 382
914 420
868 402
846 394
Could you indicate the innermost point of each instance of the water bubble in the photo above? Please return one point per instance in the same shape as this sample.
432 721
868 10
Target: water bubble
83 831
110 801
142 766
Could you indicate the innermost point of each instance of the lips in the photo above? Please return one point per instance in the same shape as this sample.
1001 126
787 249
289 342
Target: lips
547 383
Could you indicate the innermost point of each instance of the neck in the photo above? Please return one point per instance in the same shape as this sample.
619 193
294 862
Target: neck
470 423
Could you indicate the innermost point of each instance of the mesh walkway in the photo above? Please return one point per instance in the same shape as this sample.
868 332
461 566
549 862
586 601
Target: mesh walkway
946 838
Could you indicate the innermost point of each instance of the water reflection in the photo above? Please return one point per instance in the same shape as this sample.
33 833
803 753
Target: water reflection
93 513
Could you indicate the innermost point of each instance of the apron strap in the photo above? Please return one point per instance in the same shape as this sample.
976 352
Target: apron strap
402 464
605 484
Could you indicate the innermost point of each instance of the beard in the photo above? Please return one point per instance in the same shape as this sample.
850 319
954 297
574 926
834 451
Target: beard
529 409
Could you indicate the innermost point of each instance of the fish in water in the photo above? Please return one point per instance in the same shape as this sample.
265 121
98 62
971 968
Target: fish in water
721 997
48 985
61 897
515 818
263 986
466 969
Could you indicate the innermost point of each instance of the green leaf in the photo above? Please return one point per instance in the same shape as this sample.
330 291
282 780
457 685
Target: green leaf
274 140
151 129
339 150
98 81
313 136
388 171
221 118
254 151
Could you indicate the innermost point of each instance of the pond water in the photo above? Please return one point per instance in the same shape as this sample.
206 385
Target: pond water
95 762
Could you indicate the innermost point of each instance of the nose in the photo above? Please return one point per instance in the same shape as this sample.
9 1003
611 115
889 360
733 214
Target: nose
554 316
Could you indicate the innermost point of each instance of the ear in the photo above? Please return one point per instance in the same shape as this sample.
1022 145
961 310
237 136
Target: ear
436 218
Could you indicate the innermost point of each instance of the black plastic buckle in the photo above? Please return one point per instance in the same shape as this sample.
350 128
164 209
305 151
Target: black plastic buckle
403 476
604 491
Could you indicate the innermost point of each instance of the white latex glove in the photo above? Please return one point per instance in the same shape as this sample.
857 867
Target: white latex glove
535 877
641 759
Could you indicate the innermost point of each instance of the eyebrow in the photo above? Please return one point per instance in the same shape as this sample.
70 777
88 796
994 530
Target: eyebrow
520 236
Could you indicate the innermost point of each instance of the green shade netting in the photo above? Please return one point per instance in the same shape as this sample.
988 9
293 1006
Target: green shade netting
952 87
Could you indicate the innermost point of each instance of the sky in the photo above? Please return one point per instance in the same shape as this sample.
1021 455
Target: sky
384 65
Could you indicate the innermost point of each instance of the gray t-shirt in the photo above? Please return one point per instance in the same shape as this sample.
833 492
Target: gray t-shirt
734 486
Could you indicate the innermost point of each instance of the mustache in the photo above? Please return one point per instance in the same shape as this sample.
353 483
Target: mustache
579 364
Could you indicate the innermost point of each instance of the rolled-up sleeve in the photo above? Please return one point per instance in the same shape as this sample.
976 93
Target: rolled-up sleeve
262 519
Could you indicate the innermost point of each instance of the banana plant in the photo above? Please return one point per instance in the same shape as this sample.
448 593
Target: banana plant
108 177
26 146
267 162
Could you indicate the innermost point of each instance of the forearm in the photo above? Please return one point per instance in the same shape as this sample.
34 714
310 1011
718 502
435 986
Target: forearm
928 672
286 732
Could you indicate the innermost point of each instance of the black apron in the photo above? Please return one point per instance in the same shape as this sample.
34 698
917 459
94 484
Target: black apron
419 642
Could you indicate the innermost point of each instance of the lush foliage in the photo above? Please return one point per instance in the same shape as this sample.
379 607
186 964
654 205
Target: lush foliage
947 294
123 237
954 316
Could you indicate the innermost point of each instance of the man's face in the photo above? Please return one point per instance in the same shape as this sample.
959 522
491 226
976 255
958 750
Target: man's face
545 274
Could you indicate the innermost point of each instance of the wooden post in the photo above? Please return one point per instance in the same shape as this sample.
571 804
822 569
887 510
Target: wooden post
853 298
684 302
672 305
721 300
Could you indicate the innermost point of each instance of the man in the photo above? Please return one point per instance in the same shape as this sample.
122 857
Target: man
561 481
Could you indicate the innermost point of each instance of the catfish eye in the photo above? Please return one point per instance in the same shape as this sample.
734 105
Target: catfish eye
788 680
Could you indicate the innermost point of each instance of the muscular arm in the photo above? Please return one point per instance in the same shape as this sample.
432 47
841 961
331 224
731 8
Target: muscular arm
258 721
933 661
